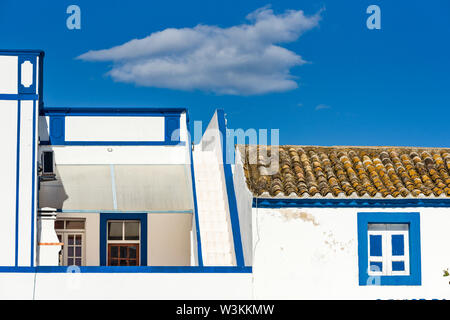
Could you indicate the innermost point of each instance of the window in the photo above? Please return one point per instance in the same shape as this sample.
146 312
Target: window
123 243
72 234
389 248
122 236
47 163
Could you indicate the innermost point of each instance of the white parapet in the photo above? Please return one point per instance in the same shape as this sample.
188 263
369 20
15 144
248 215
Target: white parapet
214 220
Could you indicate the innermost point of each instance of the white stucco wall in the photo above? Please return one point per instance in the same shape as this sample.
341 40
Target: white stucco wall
312 253
17 204
27 192
9 75
10 179
169 239
110 128
8 134
118 154
244 203
182 286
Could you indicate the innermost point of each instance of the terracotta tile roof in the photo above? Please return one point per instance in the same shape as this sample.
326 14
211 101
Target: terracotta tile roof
306 171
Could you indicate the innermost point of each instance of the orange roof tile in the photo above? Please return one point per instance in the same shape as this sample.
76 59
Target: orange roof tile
305 171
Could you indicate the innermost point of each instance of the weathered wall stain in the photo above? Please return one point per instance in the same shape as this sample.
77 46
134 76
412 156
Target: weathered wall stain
292 214
335 245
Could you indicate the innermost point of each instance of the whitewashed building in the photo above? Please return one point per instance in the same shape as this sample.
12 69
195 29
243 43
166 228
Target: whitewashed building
345 222
117 203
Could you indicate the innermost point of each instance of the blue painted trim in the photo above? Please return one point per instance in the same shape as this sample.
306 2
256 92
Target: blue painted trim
111 111
124 212
194 194
41 81
57 133
413 219
16 259
234 217
31 54
16 52
105 217
57 129
349 203
33 60
103 269
33 184
21 96
114 143
171 127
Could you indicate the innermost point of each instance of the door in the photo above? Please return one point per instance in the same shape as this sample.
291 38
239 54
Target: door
123 254
72 234
123 243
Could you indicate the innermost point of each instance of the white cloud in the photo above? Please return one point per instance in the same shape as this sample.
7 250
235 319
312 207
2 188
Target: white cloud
322 107
245 59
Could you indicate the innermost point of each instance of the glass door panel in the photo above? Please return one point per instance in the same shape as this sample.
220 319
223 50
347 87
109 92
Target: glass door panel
123 254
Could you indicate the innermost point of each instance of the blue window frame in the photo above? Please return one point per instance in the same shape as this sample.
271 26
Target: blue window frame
172 118
105 217
370 245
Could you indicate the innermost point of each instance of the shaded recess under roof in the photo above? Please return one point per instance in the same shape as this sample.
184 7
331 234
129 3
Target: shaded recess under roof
366 172
118 188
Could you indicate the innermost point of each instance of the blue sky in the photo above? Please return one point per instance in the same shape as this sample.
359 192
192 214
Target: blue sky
358 87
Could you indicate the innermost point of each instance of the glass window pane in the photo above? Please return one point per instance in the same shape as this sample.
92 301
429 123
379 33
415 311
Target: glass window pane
70 239
376 266
74 224
114 252
123 252
398 265
376 226
375 245
131 230
78 251
70 261
78 240
59 224
70 251
115 231
132 252
78 262
114 262
398 227
398 245
132 262
123 262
